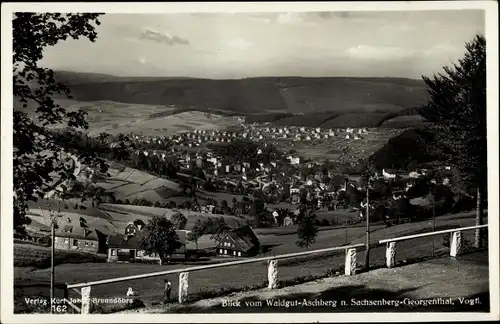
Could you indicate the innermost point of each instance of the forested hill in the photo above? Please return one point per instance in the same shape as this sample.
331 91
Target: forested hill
254 95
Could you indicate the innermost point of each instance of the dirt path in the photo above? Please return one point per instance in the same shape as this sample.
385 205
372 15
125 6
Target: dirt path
443 281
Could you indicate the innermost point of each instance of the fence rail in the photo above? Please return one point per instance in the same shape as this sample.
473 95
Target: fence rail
210 266
409 237
350 265
455 244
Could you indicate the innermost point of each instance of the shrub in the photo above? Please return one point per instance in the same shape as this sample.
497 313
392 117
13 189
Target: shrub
325 222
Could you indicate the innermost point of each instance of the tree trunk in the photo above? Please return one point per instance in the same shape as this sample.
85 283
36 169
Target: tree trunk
161 261
478 239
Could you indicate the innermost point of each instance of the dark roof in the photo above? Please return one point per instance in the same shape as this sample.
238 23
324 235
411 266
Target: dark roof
121 241
244 237
78 232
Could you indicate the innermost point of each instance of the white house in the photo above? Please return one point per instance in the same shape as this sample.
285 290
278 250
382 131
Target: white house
388 175
414 174
294 160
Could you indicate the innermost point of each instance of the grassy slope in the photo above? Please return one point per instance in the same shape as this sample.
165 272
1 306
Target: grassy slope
132 183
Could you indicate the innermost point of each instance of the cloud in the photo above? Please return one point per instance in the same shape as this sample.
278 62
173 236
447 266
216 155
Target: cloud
142 60
290 18
162 37
240 43
378 52
442 50
332 14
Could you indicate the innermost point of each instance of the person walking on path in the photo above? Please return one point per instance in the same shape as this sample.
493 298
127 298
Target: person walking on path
167 290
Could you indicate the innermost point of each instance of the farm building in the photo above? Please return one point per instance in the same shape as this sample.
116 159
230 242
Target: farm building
77 238
241 242
126 248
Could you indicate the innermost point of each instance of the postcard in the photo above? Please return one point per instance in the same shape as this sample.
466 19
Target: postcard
249 162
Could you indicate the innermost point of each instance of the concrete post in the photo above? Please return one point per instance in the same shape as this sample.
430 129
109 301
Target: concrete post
350 262
390 254
456 244
183 286
272 274
86 300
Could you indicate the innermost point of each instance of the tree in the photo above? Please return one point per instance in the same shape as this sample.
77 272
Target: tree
196 232
120 150
219 228
159 236
224 205
179 221
457 110
307 230
36 154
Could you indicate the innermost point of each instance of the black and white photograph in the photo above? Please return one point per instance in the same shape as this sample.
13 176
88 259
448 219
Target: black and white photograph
249 162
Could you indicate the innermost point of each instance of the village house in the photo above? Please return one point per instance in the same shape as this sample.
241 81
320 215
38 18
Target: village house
240 242
77 238
126 247
294 160
388 174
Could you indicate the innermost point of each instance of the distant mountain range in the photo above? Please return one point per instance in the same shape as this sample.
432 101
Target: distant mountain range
254 95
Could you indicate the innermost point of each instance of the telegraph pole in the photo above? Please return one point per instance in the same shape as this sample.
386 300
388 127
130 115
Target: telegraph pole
52 267
434 223
367 245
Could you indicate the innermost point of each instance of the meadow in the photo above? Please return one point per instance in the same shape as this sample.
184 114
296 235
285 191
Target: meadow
128 183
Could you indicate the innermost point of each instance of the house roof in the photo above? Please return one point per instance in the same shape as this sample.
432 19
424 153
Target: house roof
244 237
78 232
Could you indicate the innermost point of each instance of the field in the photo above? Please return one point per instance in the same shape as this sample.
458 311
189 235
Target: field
127 213
403 122
128 183
339 147
365 119
30 282
307 120
117 117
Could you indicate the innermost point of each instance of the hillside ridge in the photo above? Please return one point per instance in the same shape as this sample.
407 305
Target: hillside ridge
253 95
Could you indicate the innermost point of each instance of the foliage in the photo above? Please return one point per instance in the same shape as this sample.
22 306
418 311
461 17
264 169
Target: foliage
196 232
307 230
36 155
457 110
159 236
179 221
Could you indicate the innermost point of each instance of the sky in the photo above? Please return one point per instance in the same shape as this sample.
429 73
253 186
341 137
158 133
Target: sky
238 45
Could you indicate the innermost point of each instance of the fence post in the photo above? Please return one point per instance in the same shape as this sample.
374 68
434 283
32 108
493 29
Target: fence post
272 274
390 254
350 262
183 286
456 244
86 300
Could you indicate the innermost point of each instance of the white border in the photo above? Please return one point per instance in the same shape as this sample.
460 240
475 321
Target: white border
491 29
